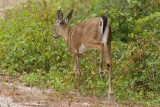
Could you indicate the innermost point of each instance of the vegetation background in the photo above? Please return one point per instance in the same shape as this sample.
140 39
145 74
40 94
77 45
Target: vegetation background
27 48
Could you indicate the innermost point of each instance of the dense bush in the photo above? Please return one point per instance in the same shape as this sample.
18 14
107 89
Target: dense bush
27 47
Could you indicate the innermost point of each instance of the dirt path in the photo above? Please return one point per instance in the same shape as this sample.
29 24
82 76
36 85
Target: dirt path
15 94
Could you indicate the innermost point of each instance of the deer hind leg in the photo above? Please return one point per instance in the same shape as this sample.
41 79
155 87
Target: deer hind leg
99 45
102 74
109 65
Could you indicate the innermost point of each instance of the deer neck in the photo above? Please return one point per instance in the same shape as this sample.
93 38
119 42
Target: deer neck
66 34
65 31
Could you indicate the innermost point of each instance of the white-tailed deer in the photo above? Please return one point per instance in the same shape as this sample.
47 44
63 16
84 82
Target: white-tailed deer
90 34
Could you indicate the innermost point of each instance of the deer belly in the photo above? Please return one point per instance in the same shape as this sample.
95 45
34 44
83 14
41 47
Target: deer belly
83 49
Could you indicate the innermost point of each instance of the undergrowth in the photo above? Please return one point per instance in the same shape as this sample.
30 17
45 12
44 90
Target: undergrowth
28 49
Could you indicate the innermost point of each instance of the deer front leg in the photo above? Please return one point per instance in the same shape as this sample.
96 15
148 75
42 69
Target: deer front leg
76 67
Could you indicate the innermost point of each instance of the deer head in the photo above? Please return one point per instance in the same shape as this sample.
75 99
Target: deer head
61 23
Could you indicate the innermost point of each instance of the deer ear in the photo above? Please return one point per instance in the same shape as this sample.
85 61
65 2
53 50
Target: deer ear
66 20
59 15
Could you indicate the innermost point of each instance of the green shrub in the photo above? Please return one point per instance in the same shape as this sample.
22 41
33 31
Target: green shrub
27 47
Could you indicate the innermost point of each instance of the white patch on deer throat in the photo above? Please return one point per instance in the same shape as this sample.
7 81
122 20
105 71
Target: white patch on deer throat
105 35
83 49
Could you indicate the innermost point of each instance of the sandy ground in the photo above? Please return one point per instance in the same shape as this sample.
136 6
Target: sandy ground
14 94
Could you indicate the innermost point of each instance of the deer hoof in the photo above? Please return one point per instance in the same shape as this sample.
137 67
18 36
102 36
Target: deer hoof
111 98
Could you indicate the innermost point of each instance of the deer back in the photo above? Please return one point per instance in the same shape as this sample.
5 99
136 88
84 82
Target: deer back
85 31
